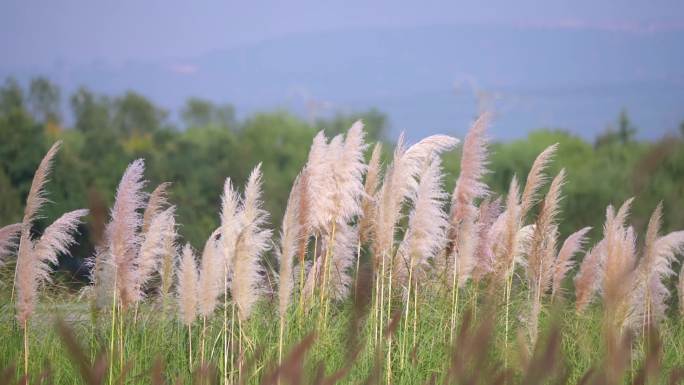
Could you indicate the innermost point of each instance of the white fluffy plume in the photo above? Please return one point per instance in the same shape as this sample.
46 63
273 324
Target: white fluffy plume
36 257
348 169
370 187
427 225
319 182
187 288
253 241
211 266
619 266
469 187
230 227
335 177
564 263
156 203
588 279
289 241
535 180
650 292
9 235
400 181
161 231
506 228
122 232
35 266
489 212
342 258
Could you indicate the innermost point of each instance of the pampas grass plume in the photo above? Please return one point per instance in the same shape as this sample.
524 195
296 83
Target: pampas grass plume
122 231
252 242
289 240
564 263
9 235
187 288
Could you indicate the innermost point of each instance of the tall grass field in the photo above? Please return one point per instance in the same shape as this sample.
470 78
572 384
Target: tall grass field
376 275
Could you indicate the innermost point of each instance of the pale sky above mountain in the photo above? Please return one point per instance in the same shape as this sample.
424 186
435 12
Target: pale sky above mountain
570 64
35 33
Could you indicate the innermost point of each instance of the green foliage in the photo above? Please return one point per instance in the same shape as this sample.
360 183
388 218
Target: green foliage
202 113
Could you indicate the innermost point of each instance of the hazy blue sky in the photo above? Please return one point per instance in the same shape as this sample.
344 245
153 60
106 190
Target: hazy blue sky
428 64
34 33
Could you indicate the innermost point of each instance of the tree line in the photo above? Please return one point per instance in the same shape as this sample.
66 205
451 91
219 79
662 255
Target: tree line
103 134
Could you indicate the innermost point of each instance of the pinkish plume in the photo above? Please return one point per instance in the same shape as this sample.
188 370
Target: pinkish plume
588 279
535 180
650 292
289 240
35 265
370 191
401 181
564 263
210 284
123 239
187 289
469 187
427 225
489 212
9 235
161 232
155 204
252 242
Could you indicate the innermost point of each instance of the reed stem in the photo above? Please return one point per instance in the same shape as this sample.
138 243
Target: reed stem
26 350
111 336
190 348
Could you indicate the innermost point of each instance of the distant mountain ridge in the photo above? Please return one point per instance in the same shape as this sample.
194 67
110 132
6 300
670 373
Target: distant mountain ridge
428 79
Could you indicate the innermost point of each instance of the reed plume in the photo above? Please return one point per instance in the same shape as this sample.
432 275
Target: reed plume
9 235
619 266
37 196
348 168
187 292
370 188
168 260
35 265
517 207
427 224
230 227
303 216
122 232
102 277
158 244
535 180
289 243
542 252
188 286
289 240
588 279
34 257
156 203
506 228
320 179
540 263
209 284
489 212
469 187
399 183
563 262
650 293
252 242
342 254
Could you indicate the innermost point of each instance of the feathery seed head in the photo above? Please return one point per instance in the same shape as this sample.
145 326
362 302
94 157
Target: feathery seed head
187 289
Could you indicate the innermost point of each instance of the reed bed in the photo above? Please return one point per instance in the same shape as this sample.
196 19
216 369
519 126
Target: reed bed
376 275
